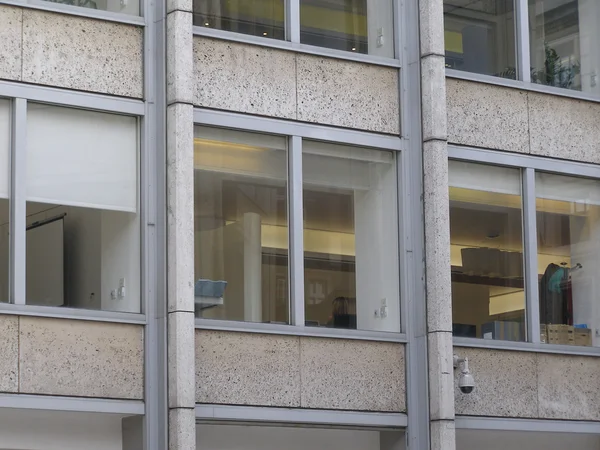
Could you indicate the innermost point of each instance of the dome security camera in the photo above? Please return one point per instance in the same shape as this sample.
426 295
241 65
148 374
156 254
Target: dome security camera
466 382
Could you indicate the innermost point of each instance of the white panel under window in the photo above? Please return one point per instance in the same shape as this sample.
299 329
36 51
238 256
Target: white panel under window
583 191
81 158
479 177
4 147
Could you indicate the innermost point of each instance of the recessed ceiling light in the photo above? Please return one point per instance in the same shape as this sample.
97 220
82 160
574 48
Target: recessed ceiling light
265 33
353 49
206 24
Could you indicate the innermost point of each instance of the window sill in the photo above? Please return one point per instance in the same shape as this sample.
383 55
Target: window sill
59 312
522 85
79 11
526 347
295 47
290 330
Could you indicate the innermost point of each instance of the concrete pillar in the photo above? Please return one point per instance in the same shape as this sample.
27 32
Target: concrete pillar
180 226
437 226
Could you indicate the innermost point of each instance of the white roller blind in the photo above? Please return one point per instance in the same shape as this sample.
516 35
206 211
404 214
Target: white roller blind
569 189
4 147
481 177
81 158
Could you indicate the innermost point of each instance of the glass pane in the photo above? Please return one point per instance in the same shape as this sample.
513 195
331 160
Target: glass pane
361 26
241 227
83 229
568 233
131 7
4 190
351 272
563 39
486 251
256 17
480 36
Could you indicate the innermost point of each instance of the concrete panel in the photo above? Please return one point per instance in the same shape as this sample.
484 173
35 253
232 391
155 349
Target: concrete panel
483 115
244 78
348 94
431 13
247 369
441 384
433 90
79 358
182 429
9 352
505 384
442 434
180 370
84 54
352 375
11 22
564 128
180 60
568 387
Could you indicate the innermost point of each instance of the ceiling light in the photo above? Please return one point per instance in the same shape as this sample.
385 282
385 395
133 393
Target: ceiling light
265 33
206 24
353 49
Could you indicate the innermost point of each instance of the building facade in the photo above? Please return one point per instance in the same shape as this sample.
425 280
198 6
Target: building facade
328 224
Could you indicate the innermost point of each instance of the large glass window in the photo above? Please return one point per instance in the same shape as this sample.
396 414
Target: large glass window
256 17
361 26
131 7
4 195
568 235
486 242
83 228
350 238
480 36
563 39
241 232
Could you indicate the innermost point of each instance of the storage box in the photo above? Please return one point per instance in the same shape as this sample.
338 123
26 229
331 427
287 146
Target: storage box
582 336
543 334
560 334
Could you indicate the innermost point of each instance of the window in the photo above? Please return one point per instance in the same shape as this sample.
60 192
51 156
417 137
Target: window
523 235
131 7
563 39
4 196
350 238
240 222
480 36
360 26
486 242
568 237
256 17
349 223
83 228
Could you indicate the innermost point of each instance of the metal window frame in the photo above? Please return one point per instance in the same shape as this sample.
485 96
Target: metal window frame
525 424
72 404
79 11
523 63
296 132
17 198
528 165
270 416
292 39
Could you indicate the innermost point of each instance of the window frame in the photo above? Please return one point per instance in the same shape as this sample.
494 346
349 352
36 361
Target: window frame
523 61
19 95
528 165
295 133
292 38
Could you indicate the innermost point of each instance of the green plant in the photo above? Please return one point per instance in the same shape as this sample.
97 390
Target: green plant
555 73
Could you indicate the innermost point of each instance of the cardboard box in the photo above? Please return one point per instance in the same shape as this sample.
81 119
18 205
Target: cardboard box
560 334
582 336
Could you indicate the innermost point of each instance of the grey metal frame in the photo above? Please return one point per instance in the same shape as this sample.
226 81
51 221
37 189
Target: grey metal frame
523 56
523 424
296 132
292 42
77 11
528 165
77 404
295 416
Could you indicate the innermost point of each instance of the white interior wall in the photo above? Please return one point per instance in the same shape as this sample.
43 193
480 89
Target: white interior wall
589 17
44 430
501 440
380 28
238 437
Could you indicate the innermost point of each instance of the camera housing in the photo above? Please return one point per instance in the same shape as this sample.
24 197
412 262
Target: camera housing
466 382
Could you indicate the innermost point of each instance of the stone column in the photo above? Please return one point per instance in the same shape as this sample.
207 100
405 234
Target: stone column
180 226
437 226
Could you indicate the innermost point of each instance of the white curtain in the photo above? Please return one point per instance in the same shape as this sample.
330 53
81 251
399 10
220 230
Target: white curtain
82 158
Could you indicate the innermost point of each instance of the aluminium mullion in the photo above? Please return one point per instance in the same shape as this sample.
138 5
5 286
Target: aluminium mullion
532 311
522 40
296 237
292 21
18 215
